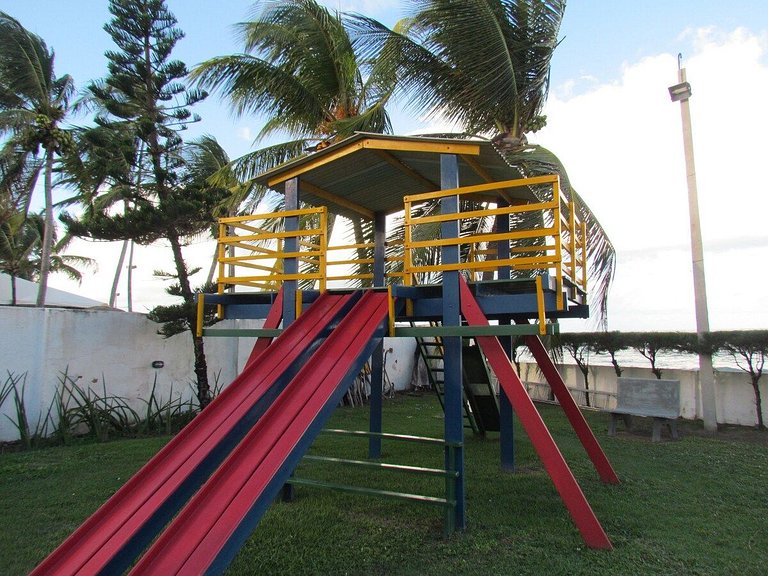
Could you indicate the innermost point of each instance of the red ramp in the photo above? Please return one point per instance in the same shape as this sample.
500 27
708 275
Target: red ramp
210 530
110 540
554 463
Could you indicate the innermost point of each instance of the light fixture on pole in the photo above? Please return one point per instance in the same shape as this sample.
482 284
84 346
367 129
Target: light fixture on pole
681 92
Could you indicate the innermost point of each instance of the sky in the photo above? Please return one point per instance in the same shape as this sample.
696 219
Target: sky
610 120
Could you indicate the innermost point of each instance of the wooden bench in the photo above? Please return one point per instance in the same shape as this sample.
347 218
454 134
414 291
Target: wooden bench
652 398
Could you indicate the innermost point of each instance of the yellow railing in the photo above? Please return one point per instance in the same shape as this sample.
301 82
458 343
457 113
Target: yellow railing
556 244
253 253
245 243
341 259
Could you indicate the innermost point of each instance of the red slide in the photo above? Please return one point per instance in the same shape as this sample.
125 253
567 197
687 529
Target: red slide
210 530
551 457
109 541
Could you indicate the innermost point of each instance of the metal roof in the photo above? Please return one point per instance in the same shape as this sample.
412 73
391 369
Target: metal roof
369 173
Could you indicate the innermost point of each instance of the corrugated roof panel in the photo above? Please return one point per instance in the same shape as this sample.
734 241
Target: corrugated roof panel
374 172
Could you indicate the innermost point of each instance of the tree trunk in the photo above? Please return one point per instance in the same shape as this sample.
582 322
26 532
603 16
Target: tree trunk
45 256
118 271
130 277
201 366
758 403
616 367
204 395
585 372
214 265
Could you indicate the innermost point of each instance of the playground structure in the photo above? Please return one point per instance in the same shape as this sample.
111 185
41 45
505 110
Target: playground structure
200 497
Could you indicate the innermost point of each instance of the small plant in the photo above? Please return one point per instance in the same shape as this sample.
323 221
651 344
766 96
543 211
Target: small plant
166 416
749 350
15 386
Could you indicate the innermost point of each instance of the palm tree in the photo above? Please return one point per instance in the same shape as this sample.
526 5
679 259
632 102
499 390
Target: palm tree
19 239
300 69
21 251
205 158
495 87
19 171
106 170
33 103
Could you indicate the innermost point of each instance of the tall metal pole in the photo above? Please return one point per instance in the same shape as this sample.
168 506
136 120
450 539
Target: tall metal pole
682 92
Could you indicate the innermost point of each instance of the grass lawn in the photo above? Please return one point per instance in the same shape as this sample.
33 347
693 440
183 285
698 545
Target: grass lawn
695 506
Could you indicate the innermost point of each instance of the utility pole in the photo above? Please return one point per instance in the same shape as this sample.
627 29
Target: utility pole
681 92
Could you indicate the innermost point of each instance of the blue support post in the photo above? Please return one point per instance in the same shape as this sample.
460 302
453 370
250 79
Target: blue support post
375 400
454 423
377 359
290 266
506 414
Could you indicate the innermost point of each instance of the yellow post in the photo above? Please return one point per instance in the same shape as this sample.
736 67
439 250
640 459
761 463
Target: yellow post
573 233
540 306
323 248
200 315
557 224
584 256
407 262
221 254
391 311
298 303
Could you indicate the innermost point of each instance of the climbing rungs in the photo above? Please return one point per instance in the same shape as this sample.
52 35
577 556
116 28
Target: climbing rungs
385 466
443 502
485 330
243 332
390 436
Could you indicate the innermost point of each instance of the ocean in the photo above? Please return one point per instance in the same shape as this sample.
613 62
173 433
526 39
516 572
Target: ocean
670 361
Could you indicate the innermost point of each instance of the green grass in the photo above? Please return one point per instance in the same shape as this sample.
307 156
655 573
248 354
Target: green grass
696 506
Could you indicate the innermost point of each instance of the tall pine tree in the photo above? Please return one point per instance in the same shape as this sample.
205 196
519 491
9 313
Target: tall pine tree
144 90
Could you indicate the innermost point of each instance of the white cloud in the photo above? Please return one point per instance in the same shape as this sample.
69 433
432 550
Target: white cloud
245 133
622 145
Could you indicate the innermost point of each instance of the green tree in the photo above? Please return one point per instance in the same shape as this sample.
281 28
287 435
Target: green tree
33 105
610 343
19 171
484 65
749 349
579 345
300 70
105 171
21 239
144 90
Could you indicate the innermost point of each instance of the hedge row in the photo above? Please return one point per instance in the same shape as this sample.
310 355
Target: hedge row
749 349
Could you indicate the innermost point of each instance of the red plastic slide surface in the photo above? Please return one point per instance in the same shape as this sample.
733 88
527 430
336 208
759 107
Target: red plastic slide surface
272 321
92 546
554 463
572 411
194 539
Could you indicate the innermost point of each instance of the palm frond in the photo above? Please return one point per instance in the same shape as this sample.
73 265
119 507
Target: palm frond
536 160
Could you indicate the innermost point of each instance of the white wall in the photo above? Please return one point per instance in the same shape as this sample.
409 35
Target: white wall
399 354
735 397
118 348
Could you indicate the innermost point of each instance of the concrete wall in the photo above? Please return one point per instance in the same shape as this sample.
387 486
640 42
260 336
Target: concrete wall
97 346
118 348
735 397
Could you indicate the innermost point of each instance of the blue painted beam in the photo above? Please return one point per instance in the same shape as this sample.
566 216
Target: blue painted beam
451 316
290 265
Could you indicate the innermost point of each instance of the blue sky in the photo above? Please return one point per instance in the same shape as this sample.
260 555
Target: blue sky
610 121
